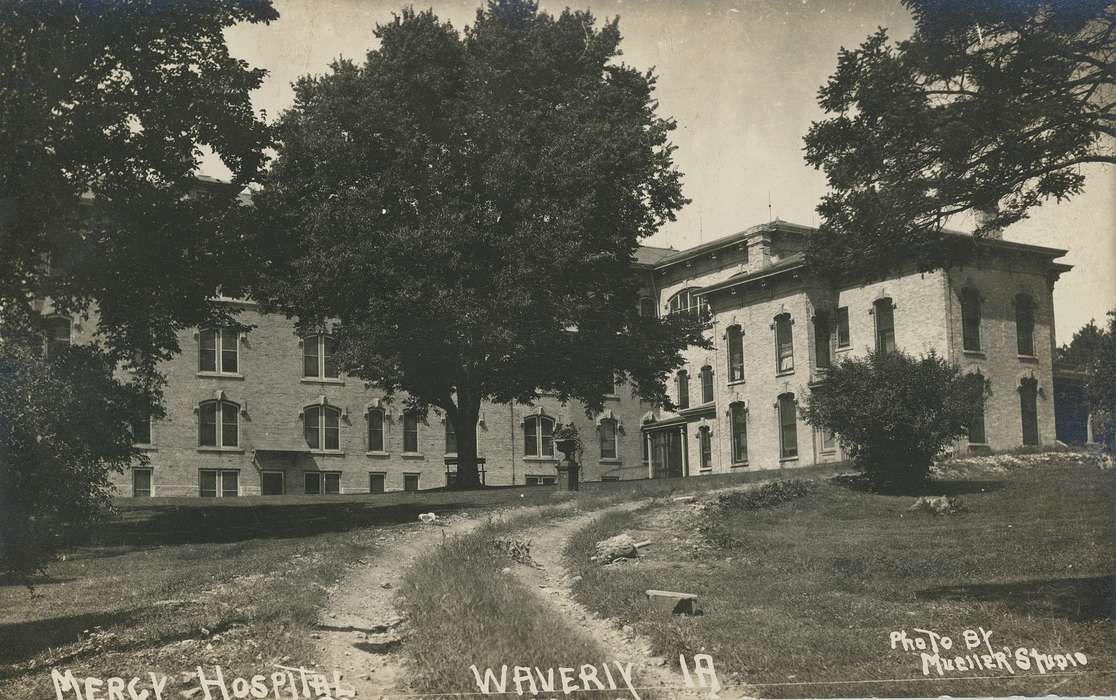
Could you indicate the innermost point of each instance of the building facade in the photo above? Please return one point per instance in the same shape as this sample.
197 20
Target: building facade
266 412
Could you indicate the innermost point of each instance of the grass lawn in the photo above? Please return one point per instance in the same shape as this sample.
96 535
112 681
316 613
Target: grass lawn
802 598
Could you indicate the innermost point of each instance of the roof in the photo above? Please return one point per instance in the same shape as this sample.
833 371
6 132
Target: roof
791 262
651 255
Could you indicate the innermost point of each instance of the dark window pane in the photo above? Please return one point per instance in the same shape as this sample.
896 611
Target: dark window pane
707 385
531 436
608 439
1025 325
376 482
207 424
207 483
976 430
644 447
310 356
706 444
784 344
311 418
546 429
736 353
229 416
313 483
58 335
271 484
647 307
788 426
683 389
739 434
885 326
207 352
376 430
141 432
970 320
821 340
1028 409
410 482
331 483
228 350
141 483
230 484
410 433
451 438
534 481
332 429
843 327
329 361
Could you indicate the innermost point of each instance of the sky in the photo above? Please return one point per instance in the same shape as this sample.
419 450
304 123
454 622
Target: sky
740 77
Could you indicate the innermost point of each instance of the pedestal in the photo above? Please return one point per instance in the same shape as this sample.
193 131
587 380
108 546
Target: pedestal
568 475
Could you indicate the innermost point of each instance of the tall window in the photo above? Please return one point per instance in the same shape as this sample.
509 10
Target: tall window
885 326
1025 324
451 437
538 436
608 438
688 301
788 427
375 430
735 341
141 483
683 389
410 432
707 384
843 339
784 344
218 351
141 431
976 430
739 433
218 424
1028 410
970 319
705 447
645 450
821 340
318 359
647 307
322 426
58 334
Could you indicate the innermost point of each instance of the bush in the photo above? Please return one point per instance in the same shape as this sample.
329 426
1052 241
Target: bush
893 413
766 496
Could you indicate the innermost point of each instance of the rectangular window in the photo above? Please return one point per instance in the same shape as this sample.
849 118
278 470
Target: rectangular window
784 345
885 326
976 430
228 351
310 356
376 482
645 448
329 359
214 482
141 432
683 389
707 385
331 483
310 427
1028 409
608 439
272 483
739 434
229 436
541 480
821 340
705 442
970 320
218 351
410 433
1025 326
207 352
207 424
827 439
332 429
843 327
207 483
312 482
410 482
451 438
141 483
375 430
788 427
735 338
230 484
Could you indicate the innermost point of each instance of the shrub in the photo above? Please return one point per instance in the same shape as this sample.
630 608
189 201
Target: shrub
766 496
894 413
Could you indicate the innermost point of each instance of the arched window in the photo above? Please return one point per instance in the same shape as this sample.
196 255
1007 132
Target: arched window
318 359
647 307
683 389
322 427
410 432
218 351
375 430
885 325
788 427
734 337
607 431
739 416
707 384
1025 325
218 424
538 436
688 301
705 446
970 319
784 344
58 334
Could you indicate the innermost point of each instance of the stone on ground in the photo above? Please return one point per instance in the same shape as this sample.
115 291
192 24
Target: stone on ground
618 547
938 505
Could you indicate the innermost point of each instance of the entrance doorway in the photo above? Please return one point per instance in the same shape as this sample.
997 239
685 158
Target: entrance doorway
668 449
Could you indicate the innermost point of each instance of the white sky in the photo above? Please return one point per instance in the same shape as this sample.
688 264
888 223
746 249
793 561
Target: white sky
740 77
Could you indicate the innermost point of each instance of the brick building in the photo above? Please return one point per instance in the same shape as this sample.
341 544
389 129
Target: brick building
267 412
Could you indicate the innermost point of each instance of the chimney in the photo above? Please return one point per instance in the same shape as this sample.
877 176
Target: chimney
982 215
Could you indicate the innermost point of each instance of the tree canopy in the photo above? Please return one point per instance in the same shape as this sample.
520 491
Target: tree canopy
104 108
466 206
989 106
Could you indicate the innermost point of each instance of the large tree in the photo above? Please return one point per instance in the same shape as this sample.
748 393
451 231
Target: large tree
989 106
104 108
464 208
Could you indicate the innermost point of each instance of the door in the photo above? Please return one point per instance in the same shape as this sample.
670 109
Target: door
666 454
1028 410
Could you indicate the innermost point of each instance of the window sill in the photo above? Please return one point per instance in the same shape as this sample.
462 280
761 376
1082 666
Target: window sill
230 450
785 373
611 397
377 453
783 460
535 458
843 348
317 380
829 451
974 353
610 460
328 453
413 455
705 470
220 375
737 382
1028 358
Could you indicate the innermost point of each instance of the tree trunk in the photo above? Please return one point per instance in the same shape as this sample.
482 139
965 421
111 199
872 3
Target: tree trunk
465 426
